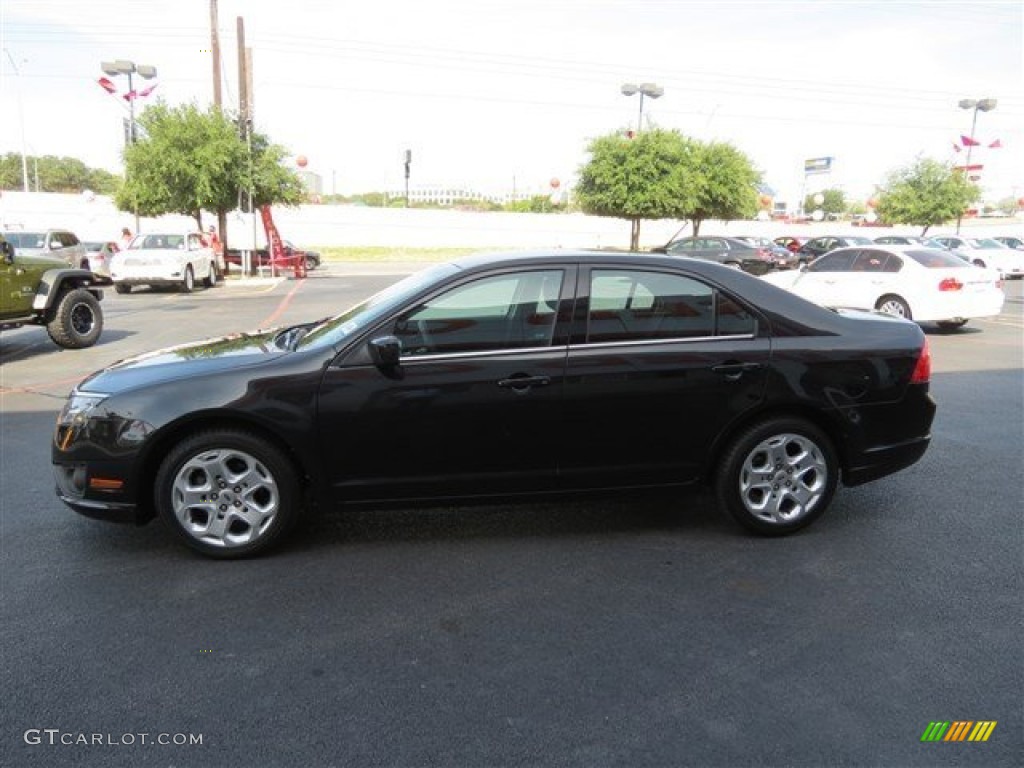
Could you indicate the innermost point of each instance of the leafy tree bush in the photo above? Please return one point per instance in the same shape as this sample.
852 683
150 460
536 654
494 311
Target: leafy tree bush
926 193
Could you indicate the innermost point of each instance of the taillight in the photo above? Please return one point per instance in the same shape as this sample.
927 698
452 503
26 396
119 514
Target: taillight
923 370
950 284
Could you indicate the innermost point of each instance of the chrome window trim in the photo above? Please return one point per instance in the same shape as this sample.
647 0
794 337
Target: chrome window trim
561 349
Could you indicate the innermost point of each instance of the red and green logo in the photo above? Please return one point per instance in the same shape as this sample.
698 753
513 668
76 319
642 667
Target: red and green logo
958 730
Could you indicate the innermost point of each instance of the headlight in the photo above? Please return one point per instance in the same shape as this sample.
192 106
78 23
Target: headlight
78 407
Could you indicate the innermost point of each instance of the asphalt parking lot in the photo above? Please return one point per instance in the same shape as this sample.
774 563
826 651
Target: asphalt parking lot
628 631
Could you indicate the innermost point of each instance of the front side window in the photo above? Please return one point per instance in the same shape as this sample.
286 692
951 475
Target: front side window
629 305
833 262
510 311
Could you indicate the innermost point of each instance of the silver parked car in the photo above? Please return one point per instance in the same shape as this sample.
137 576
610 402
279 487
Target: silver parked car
57 243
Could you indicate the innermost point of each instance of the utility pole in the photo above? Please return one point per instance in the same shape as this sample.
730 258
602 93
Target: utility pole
244 116
215 51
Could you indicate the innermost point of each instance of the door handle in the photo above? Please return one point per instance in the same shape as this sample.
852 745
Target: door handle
524 383
733 371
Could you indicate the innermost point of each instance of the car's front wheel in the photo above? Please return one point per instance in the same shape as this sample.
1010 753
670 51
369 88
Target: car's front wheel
188 283
228 493
778 476
77 320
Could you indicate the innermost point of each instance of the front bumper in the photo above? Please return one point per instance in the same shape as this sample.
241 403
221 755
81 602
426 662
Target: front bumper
73 488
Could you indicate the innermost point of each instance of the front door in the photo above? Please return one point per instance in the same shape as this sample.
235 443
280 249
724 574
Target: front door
474 406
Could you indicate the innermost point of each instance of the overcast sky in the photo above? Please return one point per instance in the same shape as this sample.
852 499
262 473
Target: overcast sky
491 93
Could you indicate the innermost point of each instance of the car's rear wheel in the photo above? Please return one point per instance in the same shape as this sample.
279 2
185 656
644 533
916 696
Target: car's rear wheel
211 277
122 288
77 320
894 305
979 263
228 493
778 476
188 283
311 263
951 325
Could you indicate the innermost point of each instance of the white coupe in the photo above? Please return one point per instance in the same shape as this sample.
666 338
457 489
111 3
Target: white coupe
914 282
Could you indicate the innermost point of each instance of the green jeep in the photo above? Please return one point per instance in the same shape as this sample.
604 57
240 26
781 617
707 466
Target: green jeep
42 290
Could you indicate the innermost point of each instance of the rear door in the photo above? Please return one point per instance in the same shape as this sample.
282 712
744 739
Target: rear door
660 363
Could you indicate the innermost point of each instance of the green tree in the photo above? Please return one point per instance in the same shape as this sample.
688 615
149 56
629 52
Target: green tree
726 185
648 177
834 201
926 193
56 174
187 160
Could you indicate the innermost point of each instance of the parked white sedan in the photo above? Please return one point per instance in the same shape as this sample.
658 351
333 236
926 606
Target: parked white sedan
987 252
920 284
164 259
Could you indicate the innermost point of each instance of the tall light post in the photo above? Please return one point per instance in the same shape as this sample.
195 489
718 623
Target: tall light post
650 90
129 68
978 105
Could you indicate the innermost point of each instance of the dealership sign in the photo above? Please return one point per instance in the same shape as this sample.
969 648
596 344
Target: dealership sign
818 165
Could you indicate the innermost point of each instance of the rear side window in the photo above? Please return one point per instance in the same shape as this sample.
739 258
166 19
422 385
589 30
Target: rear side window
633 305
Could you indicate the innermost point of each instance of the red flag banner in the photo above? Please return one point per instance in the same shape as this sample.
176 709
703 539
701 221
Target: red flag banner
968 167
969 142
130 96
107 85
146 91
995 144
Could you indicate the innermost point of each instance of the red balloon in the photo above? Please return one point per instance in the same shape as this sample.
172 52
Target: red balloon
555 183
301 161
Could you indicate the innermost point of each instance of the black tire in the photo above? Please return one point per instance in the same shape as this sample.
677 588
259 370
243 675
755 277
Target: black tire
979 263
77 320
894 305
777 476
211 277
188 282
951 325
245 493
311 263
122 288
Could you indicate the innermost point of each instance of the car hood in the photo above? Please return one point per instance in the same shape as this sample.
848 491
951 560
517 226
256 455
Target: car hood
151 253
186 361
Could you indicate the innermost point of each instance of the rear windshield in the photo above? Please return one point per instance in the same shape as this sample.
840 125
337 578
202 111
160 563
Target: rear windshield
933 259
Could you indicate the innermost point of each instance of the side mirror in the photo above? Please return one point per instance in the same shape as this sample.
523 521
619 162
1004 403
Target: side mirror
386 353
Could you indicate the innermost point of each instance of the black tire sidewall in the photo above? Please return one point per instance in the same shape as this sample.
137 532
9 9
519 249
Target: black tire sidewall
188 283
282 469
727 478
60 327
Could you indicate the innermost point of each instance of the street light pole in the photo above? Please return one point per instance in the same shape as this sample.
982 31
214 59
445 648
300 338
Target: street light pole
652 90
129 68
983 105
21 112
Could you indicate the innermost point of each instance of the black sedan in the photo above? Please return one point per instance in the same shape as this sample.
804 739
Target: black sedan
731 251
503 376
819 246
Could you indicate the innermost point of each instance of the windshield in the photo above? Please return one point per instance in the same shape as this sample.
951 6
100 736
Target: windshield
26 239
378 306
859 240
159 242
985 243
